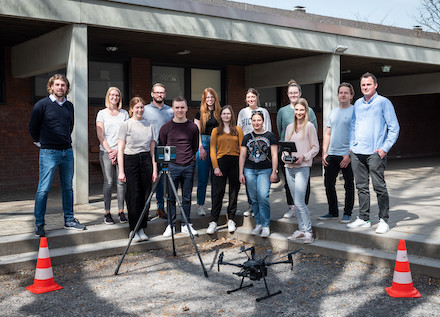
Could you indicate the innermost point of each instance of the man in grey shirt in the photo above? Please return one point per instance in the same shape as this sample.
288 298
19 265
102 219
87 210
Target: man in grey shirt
158 113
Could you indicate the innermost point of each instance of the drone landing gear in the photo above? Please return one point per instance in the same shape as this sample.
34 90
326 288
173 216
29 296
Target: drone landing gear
250 285
241 287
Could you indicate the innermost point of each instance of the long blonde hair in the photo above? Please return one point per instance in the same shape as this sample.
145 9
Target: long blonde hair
204 110
303 102
107 97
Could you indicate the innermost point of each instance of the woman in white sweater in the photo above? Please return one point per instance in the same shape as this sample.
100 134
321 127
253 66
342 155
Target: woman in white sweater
303 133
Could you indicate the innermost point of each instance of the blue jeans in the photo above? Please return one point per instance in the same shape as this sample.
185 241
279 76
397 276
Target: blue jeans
258 185
50 160
297 178
183 175
204 167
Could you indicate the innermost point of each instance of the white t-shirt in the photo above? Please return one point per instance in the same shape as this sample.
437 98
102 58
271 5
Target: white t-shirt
137 136
244 120
111 126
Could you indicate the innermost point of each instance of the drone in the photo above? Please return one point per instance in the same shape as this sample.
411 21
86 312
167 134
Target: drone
254 269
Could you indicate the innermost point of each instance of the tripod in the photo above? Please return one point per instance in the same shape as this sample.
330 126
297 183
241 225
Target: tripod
168 181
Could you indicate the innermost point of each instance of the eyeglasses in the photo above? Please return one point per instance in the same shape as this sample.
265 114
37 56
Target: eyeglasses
257 112
159 92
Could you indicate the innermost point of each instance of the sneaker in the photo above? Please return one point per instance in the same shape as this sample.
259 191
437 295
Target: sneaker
212 227
248 212
257 230
359 223
142 235
265 233
167 232
308 238
108 220
327 217
290 213
74 225
231 226
382 227
136 237
39 231
122 218
346 219
184 229
201 211
296 235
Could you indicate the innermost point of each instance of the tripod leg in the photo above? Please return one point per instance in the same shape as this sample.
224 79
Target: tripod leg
186 222
166 190
144 211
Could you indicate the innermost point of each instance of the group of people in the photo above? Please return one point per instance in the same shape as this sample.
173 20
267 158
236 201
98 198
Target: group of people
223 149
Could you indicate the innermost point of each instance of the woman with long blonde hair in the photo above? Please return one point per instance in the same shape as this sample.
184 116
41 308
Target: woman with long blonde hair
108 122
303 133
206 119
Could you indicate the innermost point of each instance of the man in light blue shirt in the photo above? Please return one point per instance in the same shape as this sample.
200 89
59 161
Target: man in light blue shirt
335 154
158 113
374 130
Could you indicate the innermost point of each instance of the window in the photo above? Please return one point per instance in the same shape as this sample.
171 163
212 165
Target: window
172 78
2 76
203 78
269 99
103 75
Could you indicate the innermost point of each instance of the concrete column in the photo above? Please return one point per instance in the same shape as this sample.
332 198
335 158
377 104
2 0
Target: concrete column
78 77
330 85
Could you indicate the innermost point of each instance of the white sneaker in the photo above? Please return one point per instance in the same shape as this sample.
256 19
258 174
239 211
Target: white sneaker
308 237
136 237
201 211
382 227
296 235
248 212
167 232
212 227
290 213
184 229
142 235
359 223
265 233
257 230
231 226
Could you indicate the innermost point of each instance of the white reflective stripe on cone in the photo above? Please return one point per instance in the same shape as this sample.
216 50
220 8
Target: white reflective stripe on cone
402 277
402 256
43 253
43 274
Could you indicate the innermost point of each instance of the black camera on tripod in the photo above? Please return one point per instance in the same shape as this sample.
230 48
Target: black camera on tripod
165 154
287 148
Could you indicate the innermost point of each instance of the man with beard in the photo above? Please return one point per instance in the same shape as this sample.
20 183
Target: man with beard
158 113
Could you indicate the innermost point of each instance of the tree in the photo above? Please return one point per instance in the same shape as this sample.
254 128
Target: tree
429 15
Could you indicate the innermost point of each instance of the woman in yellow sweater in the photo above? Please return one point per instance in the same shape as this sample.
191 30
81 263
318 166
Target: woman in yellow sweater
225 151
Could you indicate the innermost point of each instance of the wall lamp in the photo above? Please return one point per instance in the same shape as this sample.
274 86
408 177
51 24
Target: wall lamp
340 49
184 52
112 47
386 68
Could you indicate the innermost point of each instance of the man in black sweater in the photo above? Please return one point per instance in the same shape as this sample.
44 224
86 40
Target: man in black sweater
51 127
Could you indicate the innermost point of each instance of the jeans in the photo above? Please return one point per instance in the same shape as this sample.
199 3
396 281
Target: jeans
50 160
330 175
138 173
297 179
183 175
289 196
258 185
110 173
363 166
204 168
229 167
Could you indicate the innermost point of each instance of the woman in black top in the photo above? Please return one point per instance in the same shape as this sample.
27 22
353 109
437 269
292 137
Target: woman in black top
207 118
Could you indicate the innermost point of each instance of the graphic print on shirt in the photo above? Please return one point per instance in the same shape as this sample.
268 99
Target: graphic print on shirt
255 155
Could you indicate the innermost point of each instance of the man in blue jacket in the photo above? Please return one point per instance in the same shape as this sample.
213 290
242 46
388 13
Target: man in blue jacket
51 127
374 130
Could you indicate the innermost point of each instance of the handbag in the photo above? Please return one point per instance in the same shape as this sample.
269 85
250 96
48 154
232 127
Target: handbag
277 180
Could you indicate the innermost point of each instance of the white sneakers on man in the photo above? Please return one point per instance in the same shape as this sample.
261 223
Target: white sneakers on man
231 226
167 232
184 229
382 227
257 230
201 211
265 232
359 223
290 213
212 227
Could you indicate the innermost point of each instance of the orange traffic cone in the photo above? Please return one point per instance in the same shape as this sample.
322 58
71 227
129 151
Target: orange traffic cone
402 280
44 281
